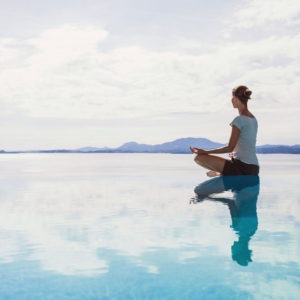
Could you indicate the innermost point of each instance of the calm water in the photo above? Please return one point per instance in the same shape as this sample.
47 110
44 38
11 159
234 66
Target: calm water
147 226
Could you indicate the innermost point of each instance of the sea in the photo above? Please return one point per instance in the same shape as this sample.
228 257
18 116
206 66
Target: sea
147 226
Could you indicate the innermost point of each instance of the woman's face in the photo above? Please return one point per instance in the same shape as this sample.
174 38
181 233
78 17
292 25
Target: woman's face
235 101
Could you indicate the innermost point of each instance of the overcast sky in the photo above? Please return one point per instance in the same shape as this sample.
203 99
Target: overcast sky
102 73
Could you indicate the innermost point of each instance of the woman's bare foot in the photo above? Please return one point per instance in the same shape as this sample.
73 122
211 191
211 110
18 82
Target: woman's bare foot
212 173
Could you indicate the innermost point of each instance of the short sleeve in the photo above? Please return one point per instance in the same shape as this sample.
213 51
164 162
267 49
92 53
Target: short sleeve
237 122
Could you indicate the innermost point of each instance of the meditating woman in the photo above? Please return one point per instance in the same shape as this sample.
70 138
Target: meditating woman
242 142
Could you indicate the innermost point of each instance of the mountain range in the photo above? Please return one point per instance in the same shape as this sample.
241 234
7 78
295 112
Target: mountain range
177 146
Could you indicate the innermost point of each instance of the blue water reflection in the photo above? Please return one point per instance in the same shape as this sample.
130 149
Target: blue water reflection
120 226
242 207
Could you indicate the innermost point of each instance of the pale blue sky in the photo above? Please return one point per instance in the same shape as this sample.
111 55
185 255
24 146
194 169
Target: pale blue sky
101 73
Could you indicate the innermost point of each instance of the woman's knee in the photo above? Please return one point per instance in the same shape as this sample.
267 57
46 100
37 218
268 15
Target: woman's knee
199 157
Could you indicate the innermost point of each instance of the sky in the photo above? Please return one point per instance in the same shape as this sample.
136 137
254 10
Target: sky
102 73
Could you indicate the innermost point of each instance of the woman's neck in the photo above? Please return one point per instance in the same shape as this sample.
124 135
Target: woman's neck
244 111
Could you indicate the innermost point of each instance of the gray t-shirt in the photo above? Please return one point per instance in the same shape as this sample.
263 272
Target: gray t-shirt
245 149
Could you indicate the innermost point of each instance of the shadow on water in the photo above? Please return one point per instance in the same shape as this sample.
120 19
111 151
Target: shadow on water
242 207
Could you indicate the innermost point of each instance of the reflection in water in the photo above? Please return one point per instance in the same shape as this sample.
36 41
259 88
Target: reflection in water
242 207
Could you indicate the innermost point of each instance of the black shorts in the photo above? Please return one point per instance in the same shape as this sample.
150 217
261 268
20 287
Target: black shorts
237 167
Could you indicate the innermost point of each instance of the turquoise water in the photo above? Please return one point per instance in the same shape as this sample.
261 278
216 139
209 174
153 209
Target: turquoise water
147 226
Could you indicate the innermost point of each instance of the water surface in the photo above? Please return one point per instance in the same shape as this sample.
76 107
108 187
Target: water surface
147 226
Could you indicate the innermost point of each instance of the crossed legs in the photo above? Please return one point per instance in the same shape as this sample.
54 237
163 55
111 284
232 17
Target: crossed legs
211 162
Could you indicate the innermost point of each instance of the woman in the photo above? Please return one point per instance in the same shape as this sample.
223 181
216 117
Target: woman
242 141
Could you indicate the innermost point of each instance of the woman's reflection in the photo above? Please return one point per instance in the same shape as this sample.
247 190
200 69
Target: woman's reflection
242 207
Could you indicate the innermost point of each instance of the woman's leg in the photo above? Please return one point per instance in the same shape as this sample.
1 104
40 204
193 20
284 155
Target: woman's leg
212 173
210 162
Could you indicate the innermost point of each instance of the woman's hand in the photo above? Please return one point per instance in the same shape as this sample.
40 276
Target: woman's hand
193 149
198 150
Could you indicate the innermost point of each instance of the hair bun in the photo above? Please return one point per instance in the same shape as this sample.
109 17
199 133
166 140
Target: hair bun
242 92
247 93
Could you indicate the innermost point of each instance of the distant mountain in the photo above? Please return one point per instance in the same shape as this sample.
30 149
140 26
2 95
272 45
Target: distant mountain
90 149
295 149
177 146
135 147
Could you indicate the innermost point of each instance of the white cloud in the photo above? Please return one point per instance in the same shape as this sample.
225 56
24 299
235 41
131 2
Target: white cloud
84 73
8 50
257 13
69 76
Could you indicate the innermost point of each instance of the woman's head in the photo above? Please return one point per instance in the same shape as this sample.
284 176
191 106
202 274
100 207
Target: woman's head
240 96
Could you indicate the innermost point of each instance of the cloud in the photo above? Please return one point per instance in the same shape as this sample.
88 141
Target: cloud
256 13
65 44
123 73
75 74
68 75
8 50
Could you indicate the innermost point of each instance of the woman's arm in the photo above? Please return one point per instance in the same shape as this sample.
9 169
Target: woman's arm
225 149
235 134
